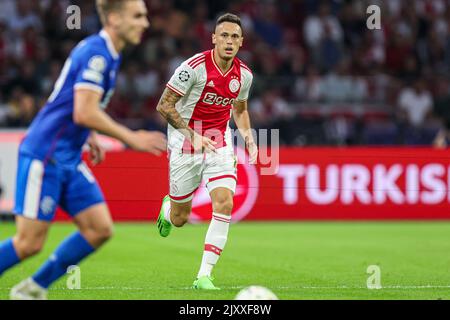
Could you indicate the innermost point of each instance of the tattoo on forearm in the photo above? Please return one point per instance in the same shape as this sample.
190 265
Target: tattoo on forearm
166 107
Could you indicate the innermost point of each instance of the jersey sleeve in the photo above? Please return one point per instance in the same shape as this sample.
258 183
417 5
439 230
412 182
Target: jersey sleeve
92 70
247 79
183 79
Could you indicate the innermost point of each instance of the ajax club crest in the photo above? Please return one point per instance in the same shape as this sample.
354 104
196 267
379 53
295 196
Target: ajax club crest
234 85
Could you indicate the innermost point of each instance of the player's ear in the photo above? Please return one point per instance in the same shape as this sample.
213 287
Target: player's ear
115 19
213 37
241 42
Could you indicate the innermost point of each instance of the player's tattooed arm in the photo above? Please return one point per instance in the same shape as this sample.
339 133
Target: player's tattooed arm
166 107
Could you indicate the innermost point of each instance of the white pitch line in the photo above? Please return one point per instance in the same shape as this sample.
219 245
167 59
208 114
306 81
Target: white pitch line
273 288
385 287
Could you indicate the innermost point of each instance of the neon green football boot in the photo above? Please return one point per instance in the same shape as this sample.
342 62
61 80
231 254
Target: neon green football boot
204 283
163 225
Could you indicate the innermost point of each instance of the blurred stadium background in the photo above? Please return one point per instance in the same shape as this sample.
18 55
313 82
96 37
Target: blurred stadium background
321 76
334 89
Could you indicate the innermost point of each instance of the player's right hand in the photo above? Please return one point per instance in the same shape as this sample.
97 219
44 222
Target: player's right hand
149 141
202 144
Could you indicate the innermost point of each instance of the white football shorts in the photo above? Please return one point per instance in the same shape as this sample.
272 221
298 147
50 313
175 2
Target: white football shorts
187 171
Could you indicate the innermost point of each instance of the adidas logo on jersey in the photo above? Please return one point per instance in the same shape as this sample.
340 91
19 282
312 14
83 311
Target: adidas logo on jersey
210 84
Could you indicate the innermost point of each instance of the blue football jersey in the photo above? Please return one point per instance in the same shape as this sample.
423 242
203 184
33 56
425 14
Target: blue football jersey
53 135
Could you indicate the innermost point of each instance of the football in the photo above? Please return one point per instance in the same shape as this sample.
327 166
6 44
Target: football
256 293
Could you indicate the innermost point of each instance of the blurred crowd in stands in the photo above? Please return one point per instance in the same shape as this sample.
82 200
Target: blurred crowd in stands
321 76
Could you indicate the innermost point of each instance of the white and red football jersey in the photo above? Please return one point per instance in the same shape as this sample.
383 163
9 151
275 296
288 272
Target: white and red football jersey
208 96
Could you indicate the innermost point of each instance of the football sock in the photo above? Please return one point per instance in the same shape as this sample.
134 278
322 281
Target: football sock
215 241
166 208
8 255
70 252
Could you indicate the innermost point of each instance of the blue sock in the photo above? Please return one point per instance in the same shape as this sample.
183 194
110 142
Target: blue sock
70 252
8 255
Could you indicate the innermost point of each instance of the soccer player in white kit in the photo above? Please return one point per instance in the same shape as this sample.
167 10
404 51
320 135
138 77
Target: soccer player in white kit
198 102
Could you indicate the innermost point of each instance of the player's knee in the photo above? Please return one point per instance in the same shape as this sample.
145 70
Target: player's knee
180 221
223 205
101 234
27 247
179 218
104 233
31 249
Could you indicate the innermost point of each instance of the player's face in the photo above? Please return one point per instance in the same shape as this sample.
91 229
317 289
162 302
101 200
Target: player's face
227 40
133 22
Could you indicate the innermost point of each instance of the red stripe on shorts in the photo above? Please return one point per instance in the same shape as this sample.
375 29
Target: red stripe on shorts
222 177
182 197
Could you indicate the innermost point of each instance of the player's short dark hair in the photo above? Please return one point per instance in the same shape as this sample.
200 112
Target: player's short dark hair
229 17
105 7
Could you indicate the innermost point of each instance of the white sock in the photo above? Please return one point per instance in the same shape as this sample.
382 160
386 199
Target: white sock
215 241
166 209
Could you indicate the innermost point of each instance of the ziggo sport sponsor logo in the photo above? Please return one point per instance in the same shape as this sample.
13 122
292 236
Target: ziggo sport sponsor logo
213 98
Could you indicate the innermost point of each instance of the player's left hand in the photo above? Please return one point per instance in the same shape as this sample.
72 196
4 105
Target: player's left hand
96 151
252 150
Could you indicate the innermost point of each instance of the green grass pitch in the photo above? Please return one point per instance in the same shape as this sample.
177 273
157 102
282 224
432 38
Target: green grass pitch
297 260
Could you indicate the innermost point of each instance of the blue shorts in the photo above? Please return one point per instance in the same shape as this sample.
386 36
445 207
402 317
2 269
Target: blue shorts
42 188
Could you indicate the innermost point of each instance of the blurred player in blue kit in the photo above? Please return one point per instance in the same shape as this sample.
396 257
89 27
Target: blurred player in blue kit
51 172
